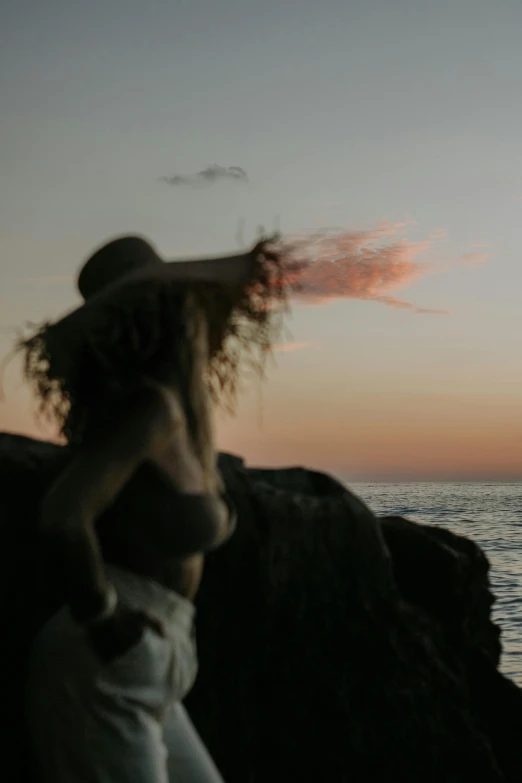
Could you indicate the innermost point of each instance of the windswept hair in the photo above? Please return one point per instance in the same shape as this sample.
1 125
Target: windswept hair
148 330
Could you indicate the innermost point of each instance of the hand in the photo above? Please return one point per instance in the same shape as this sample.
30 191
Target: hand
122 631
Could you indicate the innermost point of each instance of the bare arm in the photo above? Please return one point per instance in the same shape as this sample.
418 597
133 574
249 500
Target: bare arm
89 486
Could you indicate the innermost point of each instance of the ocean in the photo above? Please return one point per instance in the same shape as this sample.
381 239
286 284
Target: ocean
491 515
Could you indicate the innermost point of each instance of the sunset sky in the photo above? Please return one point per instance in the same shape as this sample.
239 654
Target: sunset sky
395 125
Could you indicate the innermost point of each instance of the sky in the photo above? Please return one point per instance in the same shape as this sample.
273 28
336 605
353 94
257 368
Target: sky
389 132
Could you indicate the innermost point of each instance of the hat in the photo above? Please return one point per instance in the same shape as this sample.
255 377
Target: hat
131 259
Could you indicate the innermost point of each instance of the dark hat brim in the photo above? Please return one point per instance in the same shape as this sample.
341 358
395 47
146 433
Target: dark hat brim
234 270
225 270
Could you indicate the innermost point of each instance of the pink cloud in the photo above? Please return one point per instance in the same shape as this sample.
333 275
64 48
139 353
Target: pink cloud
392 301
474 257
293 346
366 264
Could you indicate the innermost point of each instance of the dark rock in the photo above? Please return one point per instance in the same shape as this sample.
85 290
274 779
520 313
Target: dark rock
333 645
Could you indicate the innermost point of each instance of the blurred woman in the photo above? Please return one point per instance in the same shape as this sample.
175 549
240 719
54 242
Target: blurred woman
130 376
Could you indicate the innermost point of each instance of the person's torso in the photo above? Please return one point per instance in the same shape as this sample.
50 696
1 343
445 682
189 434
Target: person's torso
129 532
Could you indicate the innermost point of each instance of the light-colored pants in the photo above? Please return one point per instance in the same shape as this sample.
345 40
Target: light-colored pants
123 721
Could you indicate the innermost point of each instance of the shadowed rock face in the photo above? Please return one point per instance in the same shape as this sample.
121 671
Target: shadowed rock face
333 645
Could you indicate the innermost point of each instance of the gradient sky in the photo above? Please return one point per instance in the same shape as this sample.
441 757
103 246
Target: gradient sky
396 122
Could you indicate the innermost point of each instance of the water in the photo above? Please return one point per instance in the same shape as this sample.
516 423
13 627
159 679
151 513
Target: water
491 515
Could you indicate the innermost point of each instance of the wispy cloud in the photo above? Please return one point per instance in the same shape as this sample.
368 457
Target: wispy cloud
208 176
367 264
392 301
475 256
294 346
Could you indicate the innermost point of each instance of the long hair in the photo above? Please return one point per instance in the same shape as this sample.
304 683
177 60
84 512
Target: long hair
151 330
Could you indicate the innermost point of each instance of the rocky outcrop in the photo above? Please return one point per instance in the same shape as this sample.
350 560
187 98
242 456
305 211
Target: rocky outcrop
333 645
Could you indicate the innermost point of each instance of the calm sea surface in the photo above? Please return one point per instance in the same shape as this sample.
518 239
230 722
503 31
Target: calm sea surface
491 515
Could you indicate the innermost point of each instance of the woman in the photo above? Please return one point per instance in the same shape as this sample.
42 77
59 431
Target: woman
129 376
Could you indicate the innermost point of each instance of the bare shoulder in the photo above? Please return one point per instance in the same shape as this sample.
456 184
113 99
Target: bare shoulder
138 428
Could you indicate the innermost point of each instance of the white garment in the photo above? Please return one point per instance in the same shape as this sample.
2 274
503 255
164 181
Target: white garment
118 722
